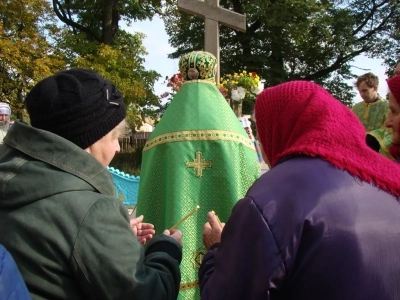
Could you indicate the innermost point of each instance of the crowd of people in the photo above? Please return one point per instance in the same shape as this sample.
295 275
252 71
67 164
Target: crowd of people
322 223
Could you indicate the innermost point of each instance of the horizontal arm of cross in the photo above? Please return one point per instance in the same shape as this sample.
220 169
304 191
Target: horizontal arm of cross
206 10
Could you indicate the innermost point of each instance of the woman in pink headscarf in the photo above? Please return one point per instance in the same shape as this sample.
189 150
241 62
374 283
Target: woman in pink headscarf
323 223
393 120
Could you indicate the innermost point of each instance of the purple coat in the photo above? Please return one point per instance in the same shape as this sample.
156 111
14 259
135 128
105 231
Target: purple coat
307 230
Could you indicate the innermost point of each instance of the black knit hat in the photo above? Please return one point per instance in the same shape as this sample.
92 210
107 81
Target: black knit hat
77 104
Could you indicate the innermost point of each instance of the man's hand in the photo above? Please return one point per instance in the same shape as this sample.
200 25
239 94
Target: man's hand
212 230
143 231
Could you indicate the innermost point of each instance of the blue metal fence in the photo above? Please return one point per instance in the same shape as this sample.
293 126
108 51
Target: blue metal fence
126 186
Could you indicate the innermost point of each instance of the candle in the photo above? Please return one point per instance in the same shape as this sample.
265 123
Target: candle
185 217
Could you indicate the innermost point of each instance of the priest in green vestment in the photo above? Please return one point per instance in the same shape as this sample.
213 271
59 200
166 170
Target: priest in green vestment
198 154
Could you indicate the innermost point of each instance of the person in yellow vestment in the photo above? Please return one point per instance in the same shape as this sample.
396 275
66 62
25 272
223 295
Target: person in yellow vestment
198 154
380 140
372 112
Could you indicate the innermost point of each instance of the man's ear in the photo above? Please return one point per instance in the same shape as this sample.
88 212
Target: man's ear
375 88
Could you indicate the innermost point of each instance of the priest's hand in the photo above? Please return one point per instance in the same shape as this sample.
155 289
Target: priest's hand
212 230
143 231
175 234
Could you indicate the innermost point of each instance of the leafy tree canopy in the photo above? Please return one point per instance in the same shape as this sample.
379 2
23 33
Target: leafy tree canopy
296 39
122 64
26 55
33 46
99 19
94 40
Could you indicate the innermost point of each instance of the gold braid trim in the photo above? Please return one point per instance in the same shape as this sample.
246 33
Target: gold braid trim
199 135
189 285
209 81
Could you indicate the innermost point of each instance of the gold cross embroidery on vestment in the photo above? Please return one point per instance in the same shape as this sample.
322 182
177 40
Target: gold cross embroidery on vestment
199 164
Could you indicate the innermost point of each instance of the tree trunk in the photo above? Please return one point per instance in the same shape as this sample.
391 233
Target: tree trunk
110 21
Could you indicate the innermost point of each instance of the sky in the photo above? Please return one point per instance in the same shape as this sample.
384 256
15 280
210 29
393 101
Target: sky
158 48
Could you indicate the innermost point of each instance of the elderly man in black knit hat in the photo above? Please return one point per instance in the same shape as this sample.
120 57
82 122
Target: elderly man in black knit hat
71 238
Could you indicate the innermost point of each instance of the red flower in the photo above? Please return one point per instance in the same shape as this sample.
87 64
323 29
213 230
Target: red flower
176 78
175 82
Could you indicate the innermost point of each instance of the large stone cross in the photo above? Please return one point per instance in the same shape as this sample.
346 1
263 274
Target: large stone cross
213 15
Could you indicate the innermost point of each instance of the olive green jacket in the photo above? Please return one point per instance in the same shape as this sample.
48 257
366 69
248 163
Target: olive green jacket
69 235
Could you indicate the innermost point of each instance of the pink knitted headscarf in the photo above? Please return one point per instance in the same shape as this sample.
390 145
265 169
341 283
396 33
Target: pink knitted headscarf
300 117
394 87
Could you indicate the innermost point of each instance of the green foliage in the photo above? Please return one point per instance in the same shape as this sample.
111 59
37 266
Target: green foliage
122 64
294 39
26 54
99 19
111 51
33 47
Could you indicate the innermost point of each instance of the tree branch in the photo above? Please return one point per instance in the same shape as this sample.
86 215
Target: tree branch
343 59
376 29
337 64
237 6
366 19
69 15
62 16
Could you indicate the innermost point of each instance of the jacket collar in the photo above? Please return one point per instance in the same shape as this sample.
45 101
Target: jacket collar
60 153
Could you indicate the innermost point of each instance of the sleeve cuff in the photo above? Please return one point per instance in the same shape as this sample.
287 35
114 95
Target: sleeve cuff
166 244
216 245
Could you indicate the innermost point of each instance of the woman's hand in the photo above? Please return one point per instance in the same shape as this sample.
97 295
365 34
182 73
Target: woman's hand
143 231
212 230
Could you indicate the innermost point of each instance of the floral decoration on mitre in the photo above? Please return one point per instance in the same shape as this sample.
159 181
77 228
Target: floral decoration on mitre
238 86
198 65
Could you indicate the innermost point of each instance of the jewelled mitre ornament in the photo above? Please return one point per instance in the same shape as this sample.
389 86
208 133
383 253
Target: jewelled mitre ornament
198 65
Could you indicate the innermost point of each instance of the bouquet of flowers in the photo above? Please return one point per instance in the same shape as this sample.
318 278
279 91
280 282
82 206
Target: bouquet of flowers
242 85
175 82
